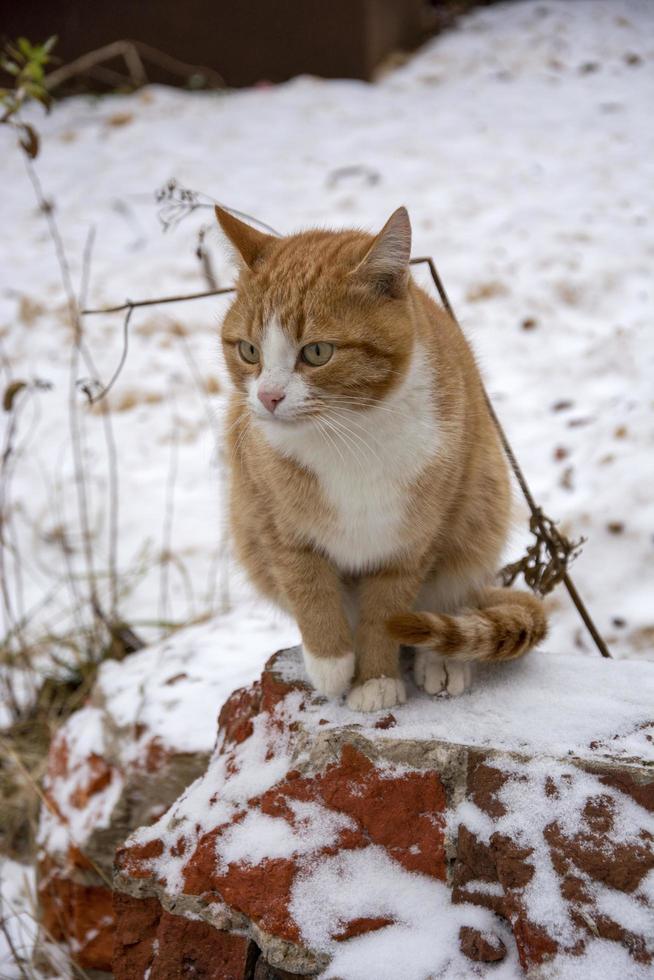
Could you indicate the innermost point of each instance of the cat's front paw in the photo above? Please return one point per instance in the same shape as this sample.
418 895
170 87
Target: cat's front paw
438 676
330 676
377 693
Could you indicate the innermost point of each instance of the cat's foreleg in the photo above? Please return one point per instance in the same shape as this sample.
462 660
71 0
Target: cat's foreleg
313 593
378 683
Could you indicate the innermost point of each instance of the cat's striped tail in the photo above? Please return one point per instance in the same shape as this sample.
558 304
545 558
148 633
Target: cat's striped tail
505 625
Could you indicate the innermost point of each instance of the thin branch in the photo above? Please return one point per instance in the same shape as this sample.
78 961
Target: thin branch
86 267
134 304
220 557
177 202
87 386
204 258
33 784
182 298
169 514
74 422
4 928
133 53
112 454
177 67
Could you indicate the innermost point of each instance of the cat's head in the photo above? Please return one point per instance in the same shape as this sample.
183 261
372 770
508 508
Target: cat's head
321 321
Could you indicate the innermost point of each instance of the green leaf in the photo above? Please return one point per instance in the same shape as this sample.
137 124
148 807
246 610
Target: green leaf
34 90
34 71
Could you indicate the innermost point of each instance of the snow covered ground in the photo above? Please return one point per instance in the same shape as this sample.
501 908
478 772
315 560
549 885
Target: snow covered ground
522 146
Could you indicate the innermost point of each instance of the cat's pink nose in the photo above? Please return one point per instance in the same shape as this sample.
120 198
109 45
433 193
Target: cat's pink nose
270 397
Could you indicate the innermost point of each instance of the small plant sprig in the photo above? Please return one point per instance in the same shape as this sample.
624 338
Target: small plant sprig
25 62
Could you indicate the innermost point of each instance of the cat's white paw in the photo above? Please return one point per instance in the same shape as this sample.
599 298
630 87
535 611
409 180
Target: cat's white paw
377 693
438 676
330 676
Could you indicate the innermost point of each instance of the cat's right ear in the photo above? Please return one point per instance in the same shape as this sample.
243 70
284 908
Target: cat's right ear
248 243
386 263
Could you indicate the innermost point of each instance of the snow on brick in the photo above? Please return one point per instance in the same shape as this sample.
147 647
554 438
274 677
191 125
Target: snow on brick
325 839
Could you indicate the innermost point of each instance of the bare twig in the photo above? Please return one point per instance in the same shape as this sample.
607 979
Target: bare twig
184 297
4 928
112 454
205 259
55 944
367 174
133 53
546 561
157 301
220 558
85 278
17 397
74 420
33 784
177 202
89 387
169 513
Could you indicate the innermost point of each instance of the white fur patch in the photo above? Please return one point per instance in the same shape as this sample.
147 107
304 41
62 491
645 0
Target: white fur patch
365 460
330 676
377 693
278 356
438 676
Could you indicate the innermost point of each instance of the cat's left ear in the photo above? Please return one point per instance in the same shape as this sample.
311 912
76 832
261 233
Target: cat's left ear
386 263
249 243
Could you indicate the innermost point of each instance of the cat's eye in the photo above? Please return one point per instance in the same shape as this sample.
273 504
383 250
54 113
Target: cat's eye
317 354
248 352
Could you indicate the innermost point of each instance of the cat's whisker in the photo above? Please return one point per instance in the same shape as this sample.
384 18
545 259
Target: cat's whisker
243 415
350 434
348 444
241 437
346 404
354 421
330 439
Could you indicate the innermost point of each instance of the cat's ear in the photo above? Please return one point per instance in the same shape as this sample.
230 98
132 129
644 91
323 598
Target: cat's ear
386 263
248 243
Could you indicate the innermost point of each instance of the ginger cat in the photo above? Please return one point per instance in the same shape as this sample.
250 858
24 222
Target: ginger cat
367 479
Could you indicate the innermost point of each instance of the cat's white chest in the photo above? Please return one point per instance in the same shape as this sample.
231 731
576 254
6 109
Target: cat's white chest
365 463
368 503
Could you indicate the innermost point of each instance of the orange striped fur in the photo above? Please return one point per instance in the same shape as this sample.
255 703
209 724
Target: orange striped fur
506 625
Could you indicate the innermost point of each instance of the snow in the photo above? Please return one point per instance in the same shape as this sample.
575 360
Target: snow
546 704
177 686
246 771
597 717
601 959
423 940
621 908
519 144
530 808
85 738
259 836
17 886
